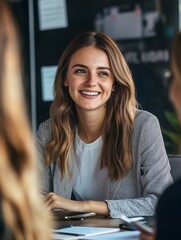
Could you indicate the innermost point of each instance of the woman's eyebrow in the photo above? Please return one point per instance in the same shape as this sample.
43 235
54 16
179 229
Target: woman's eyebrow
105 68
79 65
84 66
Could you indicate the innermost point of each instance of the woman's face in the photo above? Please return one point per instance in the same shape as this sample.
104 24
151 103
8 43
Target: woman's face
89 78
175 92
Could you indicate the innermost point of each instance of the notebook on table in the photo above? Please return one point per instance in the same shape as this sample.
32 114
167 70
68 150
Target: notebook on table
78 232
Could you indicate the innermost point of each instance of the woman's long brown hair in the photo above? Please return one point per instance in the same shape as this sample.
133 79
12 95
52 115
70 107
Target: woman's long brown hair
116 152
20 202
176 67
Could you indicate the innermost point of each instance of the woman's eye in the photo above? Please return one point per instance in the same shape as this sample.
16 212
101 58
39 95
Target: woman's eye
103 74
80 71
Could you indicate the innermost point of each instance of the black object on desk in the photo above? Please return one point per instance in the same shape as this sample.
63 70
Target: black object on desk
135 225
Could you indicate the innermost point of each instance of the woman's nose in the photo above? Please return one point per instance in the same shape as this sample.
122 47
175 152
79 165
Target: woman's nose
91 80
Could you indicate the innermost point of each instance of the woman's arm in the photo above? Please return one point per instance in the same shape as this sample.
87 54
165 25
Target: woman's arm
42 138
54 201
152 169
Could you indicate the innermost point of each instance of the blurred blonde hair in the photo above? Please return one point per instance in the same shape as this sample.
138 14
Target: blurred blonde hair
20 202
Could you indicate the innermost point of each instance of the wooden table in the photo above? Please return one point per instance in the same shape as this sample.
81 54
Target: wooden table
96 221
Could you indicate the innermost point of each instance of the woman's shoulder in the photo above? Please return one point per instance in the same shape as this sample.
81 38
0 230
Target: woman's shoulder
45 126
142 116
44 131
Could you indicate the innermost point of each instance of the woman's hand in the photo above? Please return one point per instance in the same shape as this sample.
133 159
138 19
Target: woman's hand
54 201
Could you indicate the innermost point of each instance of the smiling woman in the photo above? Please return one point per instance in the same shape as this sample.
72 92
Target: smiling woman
97 145
90 84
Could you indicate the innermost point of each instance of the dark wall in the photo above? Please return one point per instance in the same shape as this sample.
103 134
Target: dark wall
147 55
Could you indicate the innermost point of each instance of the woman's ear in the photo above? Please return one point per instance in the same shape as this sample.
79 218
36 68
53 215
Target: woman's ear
113 88
66 83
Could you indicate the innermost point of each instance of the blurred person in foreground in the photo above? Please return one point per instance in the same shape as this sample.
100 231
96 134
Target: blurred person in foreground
21 213
168 210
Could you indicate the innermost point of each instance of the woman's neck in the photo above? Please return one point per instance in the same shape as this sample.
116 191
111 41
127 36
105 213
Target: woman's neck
90 125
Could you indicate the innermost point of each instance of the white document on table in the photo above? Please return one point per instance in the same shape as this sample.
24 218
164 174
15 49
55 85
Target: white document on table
78 232
127 235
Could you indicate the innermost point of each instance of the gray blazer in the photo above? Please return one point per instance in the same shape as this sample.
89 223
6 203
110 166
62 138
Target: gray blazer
137 193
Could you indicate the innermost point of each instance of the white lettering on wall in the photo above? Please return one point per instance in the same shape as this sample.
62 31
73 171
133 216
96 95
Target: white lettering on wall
155 56
152 56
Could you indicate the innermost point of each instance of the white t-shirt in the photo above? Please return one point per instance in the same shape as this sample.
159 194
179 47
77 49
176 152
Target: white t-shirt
90 182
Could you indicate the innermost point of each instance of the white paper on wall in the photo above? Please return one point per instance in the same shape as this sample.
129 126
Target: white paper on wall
52 14
47 80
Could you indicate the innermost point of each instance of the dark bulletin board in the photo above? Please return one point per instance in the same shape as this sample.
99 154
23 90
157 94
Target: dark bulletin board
143 31
50 44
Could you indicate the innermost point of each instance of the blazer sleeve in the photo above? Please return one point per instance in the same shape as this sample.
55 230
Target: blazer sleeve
152 170
45 173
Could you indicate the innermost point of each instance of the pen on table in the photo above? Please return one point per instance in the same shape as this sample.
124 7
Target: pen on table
71 233
80 216
74 217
